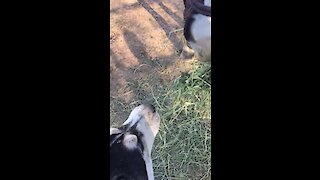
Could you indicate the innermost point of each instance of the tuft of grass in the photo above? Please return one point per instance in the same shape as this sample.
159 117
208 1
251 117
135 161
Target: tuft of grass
182 149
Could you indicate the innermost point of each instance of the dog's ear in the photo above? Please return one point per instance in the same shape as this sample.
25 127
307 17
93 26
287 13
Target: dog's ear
114 131
130 141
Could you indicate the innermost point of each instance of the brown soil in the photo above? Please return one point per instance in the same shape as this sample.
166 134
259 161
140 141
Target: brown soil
142 49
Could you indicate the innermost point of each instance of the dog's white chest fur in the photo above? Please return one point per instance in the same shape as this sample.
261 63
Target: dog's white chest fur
201 27
201 33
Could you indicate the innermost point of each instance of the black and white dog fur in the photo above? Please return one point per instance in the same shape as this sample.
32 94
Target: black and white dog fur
197 32
131 145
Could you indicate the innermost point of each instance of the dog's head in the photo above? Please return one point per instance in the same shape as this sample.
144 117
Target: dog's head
131 145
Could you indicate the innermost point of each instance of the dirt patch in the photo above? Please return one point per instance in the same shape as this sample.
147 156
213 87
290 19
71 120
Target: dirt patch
144 53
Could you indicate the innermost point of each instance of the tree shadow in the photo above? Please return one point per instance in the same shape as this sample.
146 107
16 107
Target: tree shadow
161 21
137 48
135 45
172 14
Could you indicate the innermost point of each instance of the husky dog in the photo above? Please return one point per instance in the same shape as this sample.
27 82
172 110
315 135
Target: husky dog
197 28
131 145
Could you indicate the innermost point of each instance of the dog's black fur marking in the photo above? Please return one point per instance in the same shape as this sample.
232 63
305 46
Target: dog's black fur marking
188 20
135 166
187 30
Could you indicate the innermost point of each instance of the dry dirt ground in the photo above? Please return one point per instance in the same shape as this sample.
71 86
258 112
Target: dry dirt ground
144 51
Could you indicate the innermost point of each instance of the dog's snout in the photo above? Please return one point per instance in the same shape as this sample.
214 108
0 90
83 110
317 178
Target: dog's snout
153 109
150 107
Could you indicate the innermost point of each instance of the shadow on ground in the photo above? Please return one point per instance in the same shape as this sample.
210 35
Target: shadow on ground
144 58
